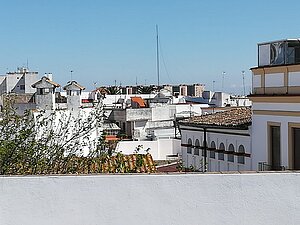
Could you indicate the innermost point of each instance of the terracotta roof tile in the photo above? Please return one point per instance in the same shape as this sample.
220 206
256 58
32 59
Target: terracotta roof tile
47 80
139 101
235 117
73 82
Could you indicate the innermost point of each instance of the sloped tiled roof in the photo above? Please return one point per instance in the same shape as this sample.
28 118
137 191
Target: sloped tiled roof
47 80
236 117
73 82
139 101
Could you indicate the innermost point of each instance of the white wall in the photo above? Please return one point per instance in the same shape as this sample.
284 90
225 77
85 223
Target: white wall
276 106
274 80
176 199
260 137
138 114
256 81
260 130
225 136
294 78
159 149
68 128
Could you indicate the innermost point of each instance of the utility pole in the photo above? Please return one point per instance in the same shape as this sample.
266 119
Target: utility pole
223 77
213 87
205 150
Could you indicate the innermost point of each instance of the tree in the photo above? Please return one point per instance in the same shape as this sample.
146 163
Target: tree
145 89
113 90
46 141
54 142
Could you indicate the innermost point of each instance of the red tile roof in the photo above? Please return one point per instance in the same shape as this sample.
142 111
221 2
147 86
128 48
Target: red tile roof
139 101
236 117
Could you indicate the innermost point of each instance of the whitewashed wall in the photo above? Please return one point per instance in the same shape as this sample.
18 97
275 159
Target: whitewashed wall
191 199
274 80
227 138
260 138
260 128
159 149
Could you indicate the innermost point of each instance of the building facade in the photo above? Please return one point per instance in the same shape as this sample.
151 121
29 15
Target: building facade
217 142
276 105
18 82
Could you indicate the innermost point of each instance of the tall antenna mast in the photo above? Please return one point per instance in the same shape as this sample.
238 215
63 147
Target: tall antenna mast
157 56
243 73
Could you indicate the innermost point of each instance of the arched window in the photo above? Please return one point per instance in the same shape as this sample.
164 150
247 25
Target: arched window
203 144
221 154
189 147
241 159
212 154
230 157
197 147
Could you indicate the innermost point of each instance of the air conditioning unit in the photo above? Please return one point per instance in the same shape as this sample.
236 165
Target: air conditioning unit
277 53
271 53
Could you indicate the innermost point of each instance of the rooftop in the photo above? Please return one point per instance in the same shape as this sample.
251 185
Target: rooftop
233 118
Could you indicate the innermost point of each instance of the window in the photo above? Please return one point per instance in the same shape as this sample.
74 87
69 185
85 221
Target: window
22 87
221 154
40 91
197 147
230 157
212 153
189 147
241 159
275 147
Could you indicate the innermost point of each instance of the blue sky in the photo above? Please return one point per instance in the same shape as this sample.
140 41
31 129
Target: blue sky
103 41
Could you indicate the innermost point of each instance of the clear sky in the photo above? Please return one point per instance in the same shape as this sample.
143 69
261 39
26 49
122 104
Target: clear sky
103 41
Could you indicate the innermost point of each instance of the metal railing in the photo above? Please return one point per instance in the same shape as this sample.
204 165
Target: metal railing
263 166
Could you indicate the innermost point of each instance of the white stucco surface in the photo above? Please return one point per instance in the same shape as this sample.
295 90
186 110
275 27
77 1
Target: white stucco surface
159 149
234 137
294 79
260 137
274 80
193 199
276 106
256 81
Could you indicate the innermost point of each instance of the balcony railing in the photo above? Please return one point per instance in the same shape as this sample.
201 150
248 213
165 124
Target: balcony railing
263 166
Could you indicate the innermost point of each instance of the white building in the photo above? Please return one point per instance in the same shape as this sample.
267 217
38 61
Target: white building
221 141
77 127
45 93
276 106
74 95
222 99
18 82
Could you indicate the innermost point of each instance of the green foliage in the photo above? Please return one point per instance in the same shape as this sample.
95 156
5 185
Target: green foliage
145 89
53 143
113 90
